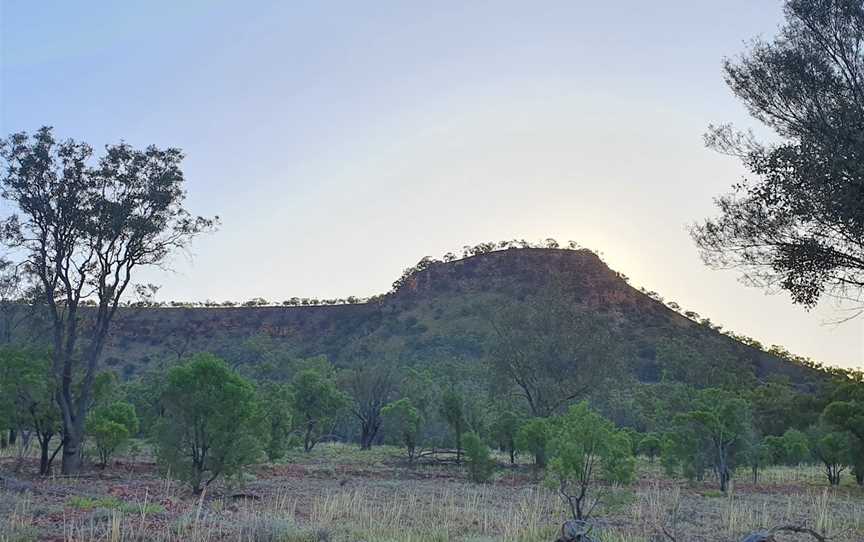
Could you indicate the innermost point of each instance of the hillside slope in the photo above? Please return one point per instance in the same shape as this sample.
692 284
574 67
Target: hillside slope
436 314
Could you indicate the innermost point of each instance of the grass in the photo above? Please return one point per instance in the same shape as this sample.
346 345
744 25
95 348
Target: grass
340 494
113 503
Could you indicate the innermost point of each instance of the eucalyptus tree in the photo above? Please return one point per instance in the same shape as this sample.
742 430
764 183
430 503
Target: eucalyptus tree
552 351
82 227
796 221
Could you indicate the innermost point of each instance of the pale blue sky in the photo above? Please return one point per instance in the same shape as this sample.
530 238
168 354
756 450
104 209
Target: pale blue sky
341 142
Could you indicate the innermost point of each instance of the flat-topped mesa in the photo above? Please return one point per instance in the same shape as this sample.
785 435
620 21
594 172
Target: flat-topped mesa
435 313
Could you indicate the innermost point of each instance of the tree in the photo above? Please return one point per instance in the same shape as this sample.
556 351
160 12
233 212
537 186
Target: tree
26 381
504 428
402 419
145 393
480 463
83 229
111 426
681 360
552 351
533 437
797 222
585 447
684 452
453 412
832 449
211 425
857 452
370 387
796 447
316 402
650 445
775 408
275 400
757 454
721 420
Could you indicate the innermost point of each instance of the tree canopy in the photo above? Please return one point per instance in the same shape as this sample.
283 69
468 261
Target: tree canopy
796 222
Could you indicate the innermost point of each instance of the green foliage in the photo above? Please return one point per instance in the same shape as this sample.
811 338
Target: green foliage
111 426
145 393
846 413
777 407
27 400
552 351
369 387
505 426
275 400
796 222
532 437
683 454
720 422
402 419
684 360
650 446
480 463
757 454
316 402
833 450
211 425
585 447
452 410
113 503
83 226
796 447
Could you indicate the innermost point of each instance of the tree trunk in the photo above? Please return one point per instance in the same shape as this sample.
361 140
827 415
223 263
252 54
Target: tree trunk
723 474
367 435
71 453
13 436
45 455
540 459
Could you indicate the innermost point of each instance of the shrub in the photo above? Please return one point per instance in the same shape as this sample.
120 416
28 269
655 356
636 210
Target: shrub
532 438
480 463
650 445
796 447
402 419
504 428
111 426
585 446
275 400
211 422
316 402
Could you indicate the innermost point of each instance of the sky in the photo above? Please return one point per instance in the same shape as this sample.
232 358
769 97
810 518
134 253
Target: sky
340 142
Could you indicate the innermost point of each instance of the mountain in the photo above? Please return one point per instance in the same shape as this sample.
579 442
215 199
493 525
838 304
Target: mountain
440 311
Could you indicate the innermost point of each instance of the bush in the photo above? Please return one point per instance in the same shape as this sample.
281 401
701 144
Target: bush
317 404
796 447
583 447
532 438
275 400
111 426
650 446
480 463
211 422
403 420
